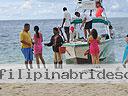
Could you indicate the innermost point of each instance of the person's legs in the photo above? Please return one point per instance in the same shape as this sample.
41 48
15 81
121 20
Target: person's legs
67 33
25 53
71 36
97 59
59 59
26 64
76 34
37 60
85 33
126 61
55 60
89 32
87 28
30 57
93 59
42 60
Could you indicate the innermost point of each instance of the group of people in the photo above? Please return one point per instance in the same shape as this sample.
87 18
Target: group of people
71 31
29 45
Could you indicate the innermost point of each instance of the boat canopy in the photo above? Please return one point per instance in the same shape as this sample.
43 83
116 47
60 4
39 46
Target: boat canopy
95 20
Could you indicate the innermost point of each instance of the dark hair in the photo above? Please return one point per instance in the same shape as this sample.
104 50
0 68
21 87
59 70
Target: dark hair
110 27
26 24
77 13
64 9
127 36
36 29
55 30
94 33
99 4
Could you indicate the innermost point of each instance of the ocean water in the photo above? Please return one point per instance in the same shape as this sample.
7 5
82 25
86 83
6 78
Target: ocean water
10 51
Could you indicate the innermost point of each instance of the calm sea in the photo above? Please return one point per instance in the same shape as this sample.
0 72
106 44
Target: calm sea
10 46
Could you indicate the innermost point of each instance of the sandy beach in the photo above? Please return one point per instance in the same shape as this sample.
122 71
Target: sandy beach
63 90
53 89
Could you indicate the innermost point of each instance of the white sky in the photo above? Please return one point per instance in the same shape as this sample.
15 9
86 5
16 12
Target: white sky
52 9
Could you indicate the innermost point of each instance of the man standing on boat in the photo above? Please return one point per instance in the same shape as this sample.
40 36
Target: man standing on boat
66 22
87 23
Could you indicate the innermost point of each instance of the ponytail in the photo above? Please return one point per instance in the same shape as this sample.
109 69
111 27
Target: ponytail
36 29
37 34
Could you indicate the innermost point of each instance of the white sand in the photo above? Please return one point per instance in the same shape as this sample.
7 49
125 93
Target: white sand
63 90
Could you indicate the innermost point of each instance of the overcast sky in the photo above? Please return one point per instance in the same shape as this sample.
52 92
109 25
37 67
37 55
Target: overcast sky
52 9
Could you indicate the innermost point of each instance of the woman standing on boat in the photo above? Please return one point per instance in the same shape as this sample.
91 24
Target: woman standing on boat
99 10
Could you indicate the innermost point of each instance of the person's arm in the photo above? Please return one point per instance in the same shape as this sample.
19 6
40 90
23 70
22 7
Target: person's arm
26 43
84 21
41 38
98 39
50 43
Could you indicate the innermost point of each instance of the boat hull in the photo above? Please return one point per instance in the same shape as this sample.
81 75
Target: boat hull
75 52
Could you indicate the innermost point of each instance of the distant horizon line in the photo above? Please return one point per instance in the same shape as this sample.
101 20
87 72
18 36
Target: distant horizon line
46 19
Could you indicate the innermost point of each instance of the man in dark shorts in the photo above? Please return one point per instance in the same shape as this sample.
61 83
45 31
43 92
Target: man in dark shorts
66 23
87 23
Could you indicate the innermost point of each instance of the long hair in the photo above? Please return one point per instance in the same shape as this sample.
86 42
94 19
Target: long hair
36 29
94 33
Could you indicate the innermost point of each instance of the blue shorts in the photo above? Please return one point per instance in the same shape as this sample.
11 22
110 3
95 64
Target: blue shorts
28 54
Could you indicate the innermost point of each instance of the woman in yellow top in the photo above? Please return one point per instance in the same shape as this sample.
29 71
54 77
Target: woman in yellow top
26 45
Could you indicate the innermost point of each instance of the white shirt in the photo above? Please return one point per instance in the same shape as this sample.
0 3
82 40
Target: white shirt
88 18
67 16
77 26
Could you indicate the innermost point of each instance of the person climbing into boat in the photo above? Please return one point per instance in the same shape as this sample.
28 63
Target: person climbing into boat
87 23
125 57
99 9
66 23
94 49
26 45
77 26
56 42
38 47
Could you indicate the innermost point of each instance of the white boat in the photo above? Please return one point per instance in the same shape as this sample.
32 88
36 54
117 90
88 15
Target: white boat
75 50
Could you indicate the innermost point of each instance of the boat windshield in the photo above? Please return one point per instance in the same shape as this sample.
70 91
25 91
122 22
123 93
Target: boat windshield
101 28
